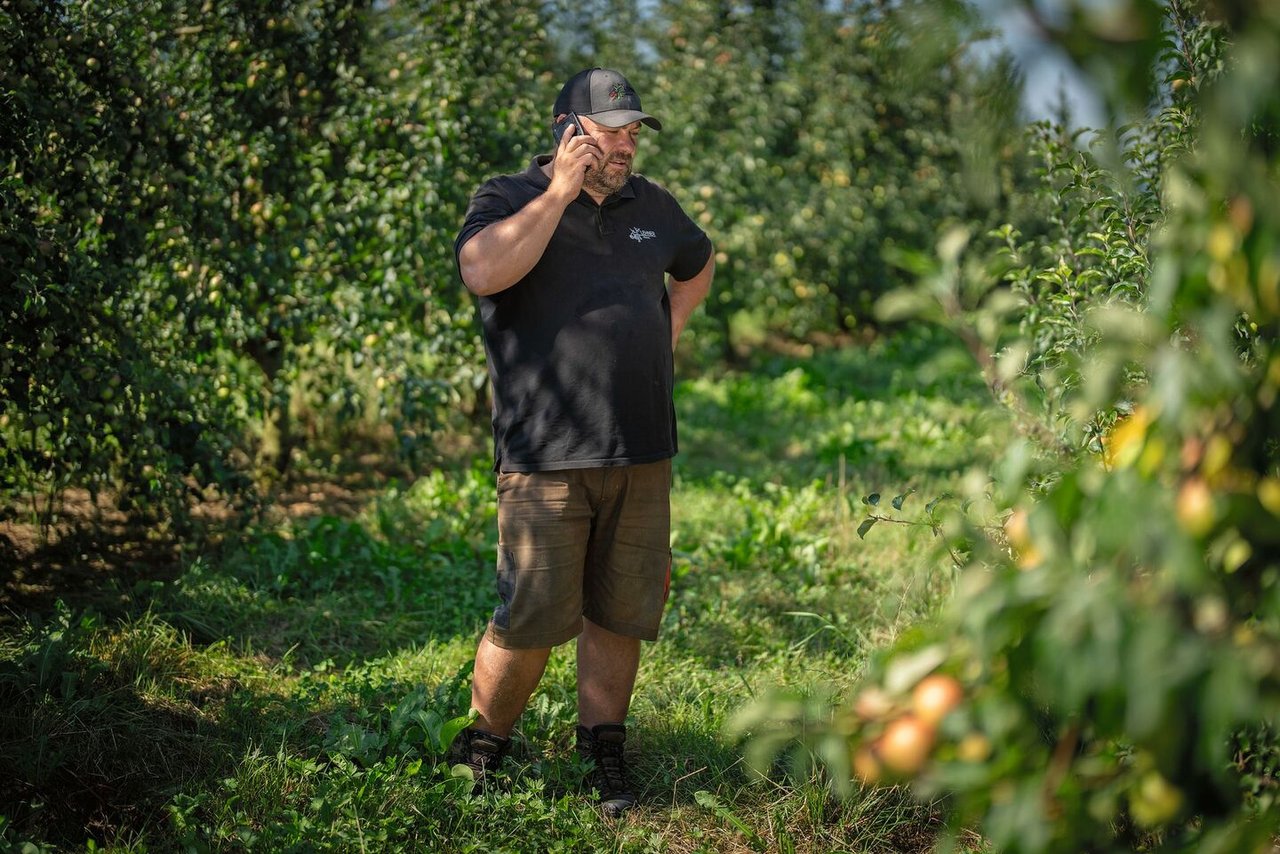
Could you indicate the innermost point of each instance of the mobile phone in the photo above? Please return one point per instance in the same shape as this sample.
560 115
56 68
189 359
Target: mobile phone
558 129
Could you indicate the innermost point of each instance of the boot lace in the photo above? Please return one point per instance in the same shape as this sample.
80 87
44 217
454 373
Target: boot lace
611 767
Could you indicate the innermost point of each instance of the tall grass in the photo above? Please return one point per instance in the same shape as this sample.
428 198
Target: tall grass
290 691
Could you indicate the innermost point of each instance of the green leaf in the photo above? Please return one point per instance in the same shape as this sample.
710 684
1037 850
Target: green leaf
710 802
898 499
431 722
906 670
872 500
866 526
449 731
904 304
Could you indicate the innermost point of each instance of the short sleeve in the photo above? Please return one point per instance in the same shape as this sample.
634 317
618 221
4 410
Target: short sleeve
488 205
691 247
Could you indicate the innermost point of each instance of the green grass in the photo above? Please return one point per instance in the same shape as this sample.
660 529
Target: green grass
285 692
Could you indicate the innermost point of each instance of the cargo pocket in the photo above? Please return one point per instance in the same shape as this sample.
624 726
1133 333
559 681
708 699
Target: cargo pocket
506 583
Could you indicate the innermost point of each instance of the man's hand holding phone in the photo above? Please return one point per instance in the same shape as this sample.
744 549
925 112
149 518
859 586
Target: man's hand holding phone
563 123
576 151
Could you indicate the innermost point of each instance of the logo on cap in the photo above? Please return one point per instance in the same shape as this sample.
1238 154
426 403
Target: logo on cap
617 90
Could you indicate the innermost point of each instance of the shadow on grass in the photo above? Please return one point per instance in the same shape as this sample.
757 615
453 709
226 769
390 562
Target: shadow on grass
103 772
85 753
415 567
349 618
101 727
673 763
689 772
85 562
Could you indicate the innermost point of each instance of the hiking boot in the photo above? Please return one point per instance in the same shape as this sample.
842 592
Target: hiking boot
602 745
480 751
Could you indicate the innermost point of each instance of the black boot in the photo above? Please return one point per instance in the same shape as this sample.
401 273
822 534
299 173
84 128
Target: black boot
602 745
480 751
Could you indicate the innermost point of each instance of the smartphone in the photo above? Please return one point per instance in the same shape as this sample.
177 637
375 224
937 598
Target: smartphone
558 129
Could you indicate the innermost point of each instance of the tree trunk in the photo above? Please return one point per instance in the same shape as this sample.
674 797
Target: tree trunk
277 439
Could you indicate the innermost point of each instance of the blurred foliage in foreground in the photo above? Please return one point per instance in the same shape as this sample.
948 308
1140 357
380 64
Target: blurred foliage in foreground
1108 675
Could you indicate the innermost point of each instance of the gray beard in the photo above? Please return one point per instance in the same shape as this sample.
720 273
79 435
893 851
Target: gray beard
605 182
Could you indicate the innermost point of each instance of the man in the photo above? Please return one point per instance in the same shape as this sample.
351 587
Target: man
570 260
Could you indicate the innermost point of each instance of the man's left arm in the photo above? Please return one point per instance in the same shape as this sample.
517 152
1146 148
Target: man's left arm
687 294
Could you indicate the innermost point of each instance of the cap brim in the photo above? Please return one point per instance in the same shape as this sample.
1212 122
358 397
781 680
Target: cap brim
622 118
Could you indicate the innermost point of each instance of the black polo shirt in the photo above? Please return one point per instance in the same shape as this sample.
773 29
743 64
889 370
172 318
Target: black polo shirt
579 350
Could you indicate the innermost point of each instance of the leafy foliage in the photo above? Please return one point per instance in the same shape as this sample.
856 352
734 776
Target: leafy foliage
218 218
1115 625
815 147
279 185
226 231
92 391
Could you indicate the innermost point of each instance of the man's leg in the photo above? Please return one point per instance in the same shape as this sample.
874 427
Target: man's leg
504 680
624 588
501 685
607 665
544 522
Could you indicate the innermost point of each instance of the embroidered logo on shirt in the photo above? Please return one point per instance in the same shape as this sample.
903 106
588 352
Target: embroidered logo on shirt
639 235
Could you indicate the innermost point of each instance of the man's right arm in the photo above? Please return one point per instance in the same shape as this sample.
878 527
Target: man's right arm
501 254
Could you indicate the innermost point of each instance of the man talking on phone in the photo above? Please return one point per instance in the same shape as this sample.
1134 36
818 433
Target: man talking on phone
586 273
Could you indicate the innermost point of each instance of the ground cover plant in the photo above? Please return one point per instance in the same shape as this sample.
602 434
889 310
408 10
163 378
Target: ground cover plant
295 687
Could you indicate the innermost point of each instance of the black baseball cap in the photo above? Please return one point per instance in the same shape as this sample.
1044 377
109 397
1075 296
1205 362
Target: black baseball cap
605 97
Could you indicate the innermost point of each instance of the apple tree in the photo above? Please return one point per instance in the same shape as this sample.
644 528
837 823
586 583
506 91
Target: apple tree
96 388
227 231
1110 654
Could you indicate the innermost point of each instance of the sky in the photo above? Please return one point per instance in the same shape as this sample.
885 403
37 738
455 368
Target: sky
1050 76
